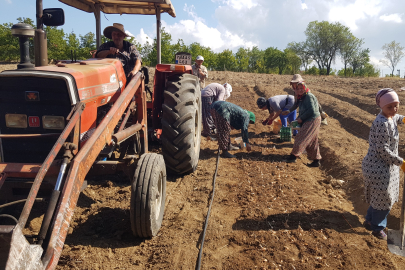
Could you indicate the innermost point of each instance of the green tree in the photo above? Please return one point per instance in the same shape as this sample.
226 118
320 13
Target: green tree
312 71
88 41
145 52
9 45
282 61
324 41
57 45
72 47
346 72
277 61
226 61
31 40
167 55
393 53
242 59
256 60
179 47
87 45
271 59
196 49
104 39
360 59
210 58
368 70
349 50
293 62
299 48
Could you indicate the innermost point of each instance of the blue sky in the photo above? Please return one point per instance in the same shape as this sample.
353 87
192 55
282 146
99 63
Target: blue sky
230 24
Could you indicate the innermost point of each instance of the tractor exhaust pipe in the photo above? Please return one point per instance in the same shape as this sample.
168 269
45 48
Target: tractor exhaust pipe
40 42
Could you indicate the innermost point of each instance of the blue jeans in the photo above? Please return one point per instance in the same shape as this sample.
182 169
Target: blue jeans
377 218
291 116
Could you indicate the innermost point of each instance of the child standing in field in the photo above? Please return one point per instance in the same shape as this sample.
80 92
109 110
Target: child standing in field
381 164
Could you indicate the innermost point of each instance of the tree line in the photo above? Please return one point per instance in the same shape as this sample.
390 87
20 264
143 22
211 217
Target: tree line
324 43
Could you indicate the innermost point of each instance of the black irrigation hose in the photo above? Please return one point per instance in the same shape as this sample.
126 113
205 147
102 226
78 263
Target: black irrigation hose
9 216
208 215
20 201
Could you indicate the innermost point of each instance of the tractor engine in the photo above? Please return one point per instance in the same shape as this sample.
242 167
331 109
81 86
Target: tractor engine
38 102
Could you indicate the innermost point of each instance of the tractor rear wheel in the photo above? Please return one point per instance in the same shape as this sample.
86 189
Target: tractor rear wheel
181 123
148 195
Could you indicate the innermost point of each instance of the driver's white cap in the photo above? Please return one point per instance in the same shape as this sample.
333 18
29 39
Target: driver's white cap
199 58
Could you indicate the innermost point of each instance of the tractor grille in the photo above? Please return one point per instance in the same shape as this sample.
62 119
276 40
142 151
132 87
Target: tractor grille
34 97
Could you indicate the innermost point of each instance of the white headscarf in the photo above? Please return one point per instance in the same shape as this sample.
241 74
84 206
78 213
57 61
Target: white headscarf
228 90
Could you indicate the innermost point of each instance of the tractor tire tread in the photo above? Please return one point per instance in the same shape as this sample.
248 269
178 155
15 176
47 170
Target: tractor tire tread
181 130
149 169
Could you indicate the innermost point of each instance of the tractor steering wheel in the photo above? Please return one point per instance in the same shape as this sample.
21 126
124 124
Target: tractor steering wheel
126 59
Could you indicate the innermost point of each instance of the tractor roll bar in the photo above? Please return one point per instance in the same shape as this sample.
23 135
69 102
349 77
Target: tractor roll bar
145 7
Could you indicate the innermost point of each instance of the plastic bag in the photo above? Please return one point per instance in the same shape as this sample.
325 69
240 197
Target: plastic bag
277 126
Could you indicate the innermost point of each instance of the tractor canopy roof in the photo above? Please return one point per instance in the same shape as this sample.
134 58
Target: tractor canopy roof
147 7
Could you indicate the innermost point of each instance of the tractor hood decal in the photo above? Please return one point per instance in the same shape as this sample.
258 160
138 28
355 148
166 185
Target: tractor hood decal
31 95
97 90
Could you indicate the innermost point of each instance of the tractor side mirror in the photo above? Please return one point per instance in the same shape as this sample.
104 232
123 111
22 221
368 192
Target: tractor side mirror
53 17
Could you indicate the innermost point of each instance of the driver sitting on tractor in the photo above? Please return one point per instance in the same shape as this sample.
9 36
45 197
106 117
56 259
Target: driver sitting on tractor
120 49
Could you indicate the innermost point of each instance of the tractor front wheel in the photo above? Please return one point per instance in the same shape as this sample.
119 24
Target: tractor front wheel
181 123
148 195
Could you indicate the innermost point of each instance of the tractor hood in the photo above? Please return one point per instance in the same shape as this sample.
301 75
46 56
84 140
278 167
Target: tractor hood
124 7
94 77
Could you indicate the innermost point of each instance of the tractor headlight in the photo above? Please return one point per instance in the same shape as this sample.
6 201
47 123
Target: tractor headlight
16 120
53 122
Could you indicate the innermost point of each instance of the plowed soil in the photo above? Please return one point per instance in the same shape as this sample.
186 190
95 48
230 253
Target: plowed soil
266 214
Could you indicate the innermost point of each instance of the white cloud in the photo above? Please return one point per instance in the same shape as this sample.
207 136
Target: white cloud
233 41
392 18
349 14
196 30
191 13
191 31
304 6
375 61
143 38
239 4
9 1
129 33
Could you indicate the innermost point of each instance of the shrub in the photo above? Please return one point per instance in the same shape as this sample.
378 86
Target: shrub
312 71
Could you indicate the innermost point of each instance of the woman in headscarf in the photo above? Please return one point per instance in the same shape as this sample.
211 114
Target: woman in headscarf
229 116
276 105
213 92
381 164
310 120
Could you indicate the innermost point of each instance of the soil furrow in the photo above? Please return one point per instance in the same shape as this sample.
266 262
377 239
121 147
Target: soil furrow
267 214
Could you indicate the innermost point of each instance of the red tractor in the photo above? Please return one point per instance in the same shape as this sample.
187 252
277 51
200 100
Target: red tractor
61 123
